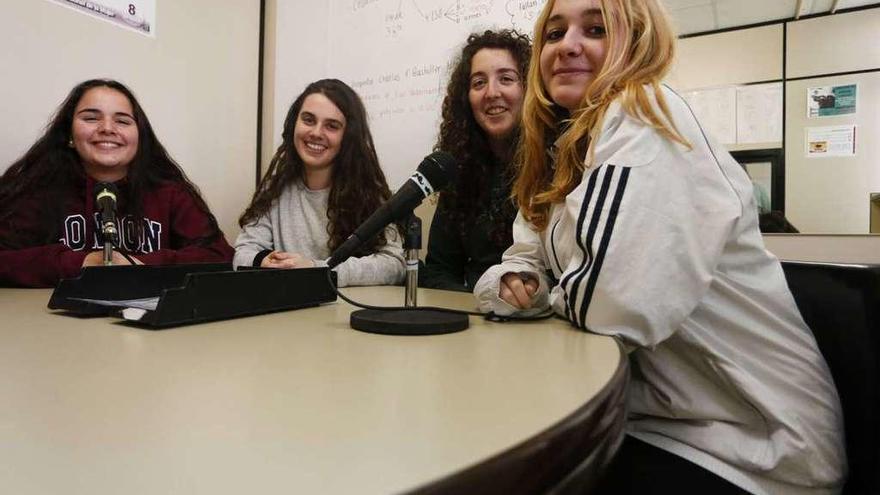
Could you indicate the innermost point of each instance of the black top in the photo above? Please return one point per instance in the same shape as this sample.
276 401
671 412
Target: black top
458 255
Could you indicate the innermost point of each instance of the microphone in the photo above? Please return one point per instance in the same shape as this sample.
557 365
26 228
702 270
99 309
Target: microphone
436 171
105 198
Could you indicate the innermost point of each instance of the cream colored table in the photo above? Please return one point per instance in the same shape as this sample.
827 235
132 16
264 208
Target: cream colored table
297 402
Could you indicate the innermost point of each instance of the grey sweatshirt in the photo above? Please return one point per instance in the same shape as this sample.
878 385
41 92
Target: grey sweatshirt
297 223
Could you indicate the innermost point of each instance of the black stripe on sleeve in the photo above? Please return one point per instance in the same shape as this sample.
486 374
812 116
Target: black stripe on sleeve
258 259
553 247
588 195
588 241
603 245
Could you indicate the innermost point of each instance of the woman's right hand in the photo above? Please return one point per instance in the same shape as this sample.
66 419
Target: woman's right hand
280 259
517 290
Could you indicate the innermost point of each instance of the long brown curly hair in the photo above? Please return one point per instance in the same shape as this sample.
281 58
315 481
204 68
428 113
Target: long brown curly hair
358 186
461 136
51 167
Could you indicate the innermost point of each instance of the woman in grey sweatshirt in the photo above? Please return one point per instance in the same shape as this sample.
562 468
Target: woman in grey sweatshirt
323 181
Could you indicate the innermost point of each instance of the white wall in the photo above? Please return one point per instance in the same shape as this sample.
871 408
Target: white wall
197 81
735 57
837 43
822 195
296 52
832 195
832 248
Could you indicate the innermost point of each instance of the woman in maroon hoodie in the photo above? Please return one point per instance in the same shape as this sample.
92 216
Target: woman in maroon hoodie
48 217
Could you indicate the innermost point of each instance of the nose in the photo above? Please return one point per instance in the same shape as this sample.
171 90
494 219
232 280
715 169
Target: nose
571 44
493 89
314 131
106 125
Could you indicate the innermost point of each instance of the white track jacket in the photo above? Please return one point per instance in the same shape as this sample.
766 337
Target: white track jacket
659 246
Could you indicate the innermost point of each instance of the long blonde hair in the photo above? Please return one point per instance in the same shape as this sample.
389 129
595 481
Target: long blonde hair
640 51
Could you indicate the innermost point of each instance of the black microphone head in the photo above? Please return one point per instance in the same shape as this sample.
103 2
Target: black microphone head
439 168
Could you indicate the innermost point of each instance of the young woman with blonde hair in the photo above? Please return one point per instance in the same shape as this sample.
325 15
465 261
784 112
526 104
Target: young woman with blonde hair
634 223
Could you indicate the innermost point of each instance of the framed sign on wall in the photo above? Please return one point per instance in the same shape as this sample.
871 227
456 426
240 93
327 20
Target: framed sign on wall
136 15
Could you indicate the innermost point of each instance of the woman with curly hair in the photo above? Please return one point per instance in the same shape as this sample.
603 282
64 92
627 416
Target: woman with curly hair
636 225
480 127
322 183
48 215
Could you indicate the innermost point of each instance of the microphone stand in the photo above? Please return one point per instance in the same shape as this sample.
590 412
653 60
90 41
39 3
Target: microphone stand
413 320
105 198
108 230
412 242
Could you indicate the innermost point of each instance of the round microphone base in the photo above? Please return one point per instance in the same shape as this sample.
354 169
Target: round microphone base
408 321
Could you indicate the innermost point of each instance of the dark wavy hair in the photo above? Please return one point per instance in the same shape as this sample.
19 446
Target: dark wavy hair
52 167
461 136
358 186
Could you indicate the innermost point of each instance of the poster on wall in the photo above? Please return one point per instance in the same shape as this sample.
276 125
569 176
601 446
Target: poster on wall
135 15
828 101
835 140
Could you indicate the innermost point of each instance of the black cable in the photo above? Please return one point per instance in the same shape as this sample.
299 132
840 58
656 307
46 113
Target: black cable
115 243
491 316
127 257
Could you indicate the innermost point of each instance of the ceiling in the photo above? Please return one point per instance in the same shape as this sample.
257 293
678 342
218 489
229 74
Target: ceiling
696 16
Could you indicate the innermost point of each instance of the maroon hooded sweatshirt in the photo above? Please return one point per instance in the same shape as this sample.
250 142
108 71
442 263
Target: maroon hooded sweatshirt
174 230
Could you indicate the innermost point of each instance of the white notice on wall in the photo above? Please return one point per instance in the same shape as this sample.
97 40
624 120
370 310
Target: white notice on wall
715 108
835 140
759 113
136 15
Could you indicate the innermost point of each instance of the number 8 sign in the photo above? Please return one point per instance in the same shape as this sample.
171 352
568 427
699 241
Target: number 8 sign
137 15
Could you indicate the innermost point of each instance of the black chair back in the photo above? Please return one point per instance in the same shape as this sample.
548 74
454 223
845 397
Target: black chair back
841 305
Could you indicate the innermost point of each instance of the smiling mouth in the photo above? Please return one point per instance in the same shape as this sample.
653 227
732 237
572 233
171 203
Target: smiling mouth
493 111
106 145
315 147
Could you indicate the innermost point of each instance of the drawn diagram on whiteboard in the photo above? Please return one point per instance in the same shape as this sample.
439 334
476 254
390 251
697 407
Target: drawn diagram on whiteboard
419 88
523 14
457 12
403 14
414 46
136 15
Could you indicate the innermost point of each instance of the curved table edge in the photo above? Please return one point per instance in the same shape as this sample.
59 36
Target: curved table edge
568 456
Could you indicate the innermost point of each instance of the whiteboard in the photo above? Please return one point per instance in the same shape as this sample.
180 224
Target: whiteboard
397 54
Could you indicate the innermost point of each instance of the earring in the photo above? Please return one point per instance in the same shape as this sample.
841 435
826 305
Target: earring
70 143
